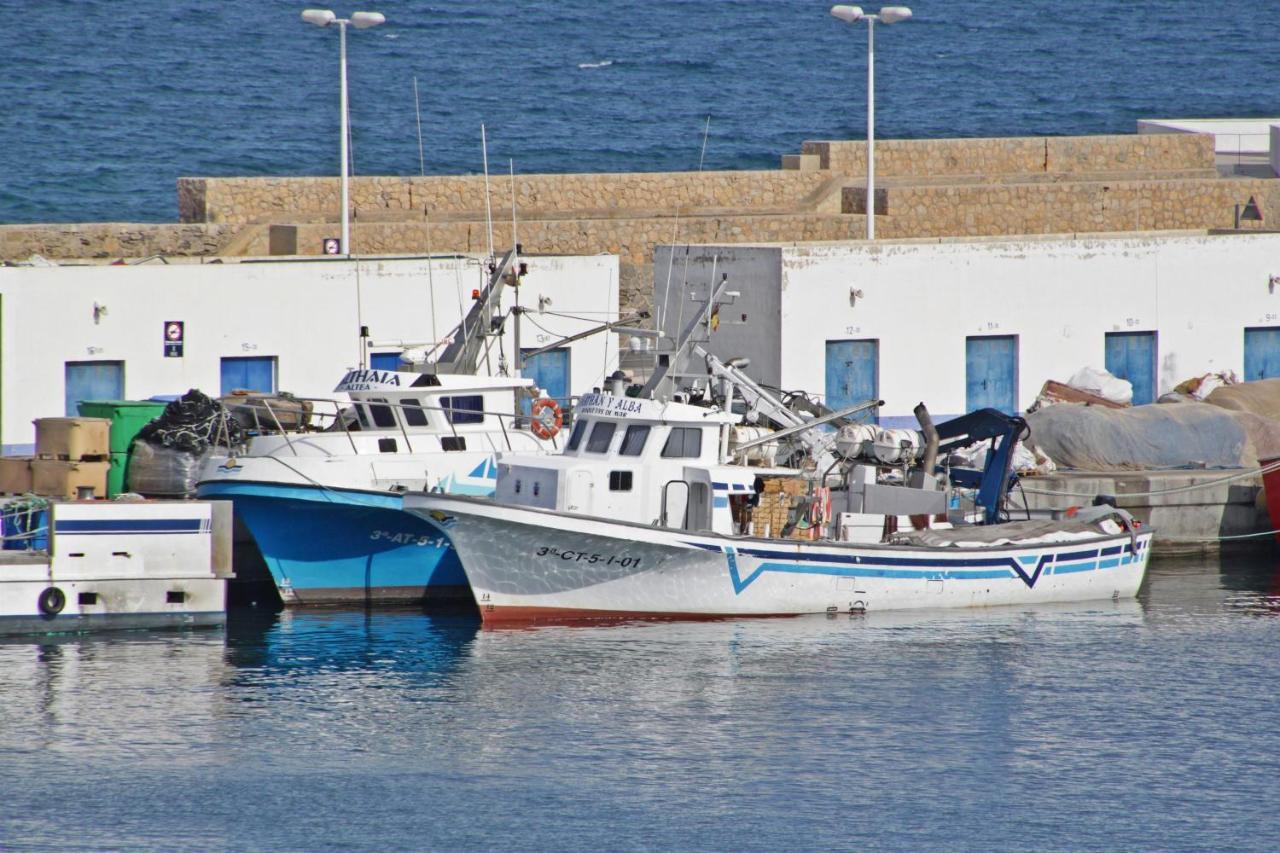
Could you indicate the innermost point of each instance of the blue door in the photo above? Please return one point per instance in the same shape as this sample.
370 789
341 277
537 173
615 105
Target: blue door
92 380
550 372
384 360
1261 354
1132 356
853 376
249 374
991 373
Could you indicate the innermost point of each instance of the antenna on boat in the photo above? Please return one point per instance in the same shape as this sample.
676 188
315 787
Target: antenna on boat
666 294
362 339
417 107
488 210
515 269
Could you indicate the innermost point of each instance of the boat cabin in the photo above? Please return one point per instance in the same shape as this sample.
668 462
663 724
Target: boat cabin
636 459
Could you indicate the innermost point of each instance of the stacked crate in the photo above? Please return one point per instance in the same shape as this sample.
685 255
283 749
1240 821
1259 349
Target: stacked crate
772 513
72 457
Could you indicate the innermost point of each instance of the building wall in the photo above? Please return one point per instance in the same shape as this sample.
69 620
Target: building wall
306 313
748 326
921 300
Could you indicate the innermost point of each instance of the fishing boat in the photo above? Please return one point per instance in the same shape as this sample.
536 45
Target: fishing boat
321 492
75 566
666 504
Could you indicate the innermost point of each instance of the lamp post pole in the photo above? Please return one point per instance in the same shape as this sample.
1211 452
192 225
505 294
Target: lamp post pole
887 15
360 20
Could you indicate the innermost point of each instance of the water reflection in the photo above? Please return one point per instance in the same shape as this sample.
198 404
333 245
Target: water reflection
418 729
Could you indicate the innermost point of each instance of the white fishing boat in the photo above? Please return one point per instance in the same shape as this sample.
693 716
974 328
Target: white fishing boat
661 508
73 566
321 491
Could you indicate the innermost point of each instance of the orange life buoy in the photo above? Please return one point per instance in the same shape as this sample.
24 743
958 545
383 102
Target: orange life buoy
547 418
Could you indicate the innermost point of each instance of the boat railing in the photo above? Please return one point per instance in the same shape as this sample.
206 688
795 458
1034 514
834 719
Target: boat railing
341 418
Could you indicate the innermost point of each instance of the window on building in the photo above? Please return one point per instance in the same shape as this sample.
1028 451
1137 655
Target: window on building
683 443
619 481
413 414
464 410
634 440
601 435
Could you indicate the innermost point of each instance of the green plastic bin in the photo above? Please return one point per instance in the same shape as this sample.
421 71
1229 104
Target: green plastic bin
127 418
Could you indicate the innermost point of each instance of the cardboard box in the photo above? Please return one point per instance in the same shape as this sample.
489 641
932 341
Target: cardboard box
61 478
15 475
73 438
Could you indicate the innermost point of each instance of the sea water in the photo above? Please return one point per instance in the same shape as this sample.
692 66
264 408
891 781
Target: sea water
1145 725
106 104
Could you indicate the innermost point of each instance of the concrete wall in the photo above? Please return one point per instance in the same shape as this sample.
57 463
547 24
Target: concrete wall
305 313
921 300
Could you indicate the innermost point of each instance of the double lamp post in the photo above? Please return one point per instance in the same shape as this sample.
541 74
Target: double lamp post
887 15
361 21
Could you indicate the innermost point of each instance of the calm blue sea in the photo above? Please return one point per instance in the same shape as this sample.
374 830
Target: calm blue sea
104 104
1141 725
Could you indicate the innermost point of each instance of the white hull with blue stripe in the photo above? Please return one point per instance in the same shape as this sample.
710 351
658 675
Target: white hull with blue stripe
92 565
526 564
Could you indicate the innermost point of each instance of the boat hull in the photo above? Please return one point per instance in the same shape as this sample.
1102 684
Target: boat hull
535 565
327 545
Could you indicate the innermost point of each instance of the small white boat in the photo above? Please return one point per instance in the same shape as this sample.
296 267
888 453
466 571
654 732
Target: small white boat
92 565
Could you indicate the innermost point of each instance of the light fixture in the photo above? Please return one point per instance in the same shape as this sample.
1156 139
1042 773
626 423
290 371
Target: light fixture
886 15
361 21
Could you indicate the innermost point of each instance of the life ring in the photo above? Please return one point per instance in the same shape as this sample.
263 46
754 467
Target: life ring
547 418
51 601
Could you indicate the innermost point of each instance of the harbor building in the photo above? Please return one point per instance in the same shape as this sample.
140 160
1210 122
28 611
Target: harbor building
969 324
92 331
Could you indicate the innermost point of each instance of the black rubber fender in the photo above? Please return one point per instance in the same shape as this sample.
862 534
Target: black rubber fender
51 601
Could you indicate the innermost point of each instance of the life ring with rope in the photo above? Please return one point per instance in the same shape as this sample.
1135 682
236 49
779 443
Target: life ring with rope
547 418
51 601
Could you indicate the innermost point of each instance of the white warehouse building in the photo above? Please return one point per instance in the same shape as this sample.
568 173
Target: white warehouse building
105 332
967 324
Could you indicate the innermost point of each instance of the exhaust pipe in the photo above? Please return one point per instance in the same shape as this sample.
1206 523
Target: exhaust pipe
930 458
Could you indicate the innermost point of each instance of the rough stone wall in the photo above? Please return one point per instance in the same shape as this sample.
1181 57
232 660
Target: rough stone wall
980 210
251 200
113 239
932 158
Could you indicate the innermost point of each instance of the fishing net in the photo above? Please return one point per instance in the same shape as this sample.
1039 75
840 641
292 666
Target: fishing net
193 423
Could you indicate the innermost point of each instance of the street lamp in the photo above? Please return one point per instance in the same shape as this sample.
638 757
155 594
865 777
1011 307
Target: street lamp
886 15
361 21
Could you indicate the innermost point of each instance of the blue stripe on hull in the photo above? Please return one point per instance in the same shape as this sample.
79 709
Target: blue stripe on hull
335 540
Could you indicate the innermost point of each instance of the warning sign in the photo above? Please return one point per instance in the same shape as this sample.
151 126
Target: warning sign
174 332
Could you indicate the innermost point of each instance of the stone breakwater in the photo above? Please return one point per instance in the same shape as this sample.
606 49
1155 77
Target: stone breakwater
925 189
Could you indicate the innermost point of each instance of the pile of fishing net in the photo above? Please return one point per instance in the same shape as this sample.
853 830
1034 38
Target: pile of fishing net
170 451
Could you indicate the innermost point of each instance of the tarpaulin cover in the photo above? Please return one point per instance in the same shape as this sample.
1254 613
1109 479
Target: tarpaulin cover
1261 397
1092 438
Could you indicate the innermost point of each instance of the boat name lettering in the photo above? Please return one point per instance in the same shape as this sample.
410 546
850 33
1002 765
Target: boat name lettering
589 557
599 404
366 380
407 538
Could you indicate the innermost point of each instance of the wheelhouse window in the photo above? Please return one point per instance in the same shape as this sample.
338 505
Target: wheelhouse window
619 481
683 443
634 440
412 411
575 437
464 410
382 415
601 435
